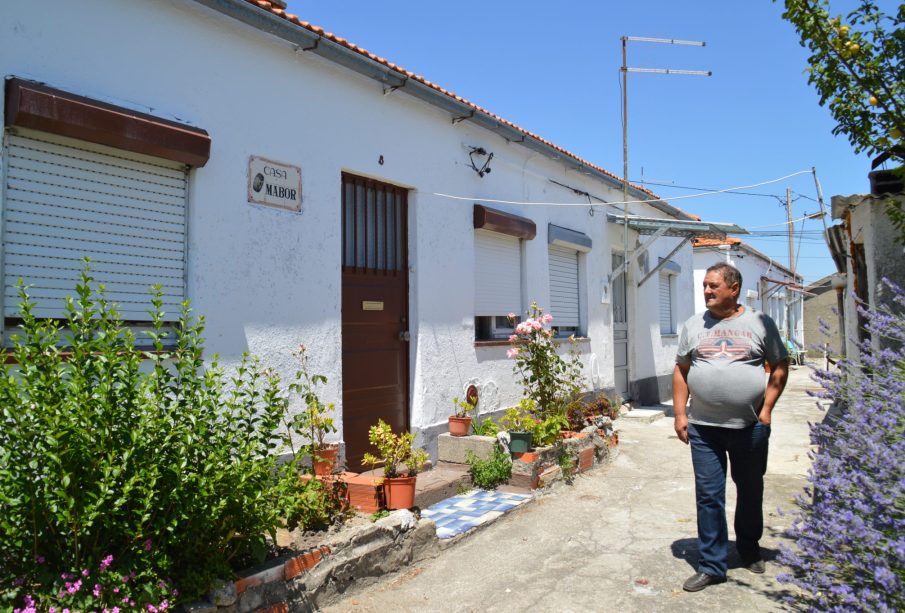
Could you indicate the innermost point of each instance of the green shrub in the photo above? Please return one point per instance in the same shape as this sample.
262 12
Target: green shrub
495 470
109 450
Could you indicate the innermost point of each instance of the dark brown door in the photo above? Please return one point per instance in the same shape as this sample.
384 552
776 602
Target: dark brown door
374 311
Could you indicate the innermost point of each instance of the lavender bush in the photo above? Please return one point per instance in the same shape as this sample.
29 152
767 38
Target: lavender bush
850 532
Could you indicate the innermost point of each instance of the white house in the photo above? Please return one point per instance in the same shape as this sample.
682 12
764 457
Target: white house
767 285
298 189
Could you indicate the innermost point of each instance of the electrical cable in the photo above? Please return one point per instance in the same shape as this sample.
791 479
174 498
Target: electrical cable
646 201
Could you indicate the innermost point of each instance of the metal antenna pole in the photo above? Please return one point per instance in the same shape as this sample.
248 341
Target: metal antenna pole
625 70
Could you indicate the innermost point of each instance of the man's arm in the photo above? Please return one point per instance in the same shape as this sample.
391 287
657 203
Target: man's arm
779 374
680 399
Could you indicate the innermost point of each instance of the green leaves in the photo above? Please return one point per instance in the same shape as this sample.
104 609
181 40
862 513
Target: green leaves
857 69
104 447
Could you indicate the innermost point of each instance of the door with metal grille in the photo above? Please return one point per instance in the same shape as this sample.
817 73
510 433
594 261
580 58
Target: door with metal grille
375 335
620 331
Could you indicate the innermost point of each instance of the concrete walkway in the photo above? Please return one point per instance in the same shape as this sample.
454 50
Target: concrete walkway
622 538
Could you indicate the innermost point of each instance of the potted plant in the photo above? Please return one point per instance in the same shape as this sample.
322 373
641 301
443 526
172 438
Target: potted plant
520 425
314 422
394 452
460 421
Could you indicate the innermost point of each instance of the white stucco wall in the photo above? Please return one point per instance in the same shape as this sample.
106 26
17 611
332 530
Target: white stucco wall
267 280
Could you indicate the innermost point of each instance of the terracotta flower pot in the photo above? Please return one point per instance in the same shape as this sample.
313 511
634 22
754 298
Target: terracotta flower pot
399 492
325 459
459 426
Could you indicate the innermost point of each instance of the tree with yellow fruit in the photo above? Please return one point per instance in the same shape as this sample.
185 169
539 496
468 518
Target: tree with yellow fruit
857 65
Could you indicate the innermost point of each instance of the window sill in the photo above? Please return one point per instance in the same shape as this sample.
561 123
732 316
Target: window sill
503 342
669 335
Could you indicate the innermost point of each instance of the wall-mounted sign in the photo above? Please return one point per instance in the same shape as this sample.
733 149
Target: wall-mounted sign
274 184
372 305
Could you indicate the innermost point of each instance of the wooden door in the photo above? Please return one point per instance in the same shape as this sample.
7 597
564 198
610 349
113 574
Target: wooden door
375 336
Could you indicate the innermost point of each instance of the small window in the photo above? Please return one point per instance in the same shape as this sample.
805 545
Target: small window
667 311
564 290
494 327
498 283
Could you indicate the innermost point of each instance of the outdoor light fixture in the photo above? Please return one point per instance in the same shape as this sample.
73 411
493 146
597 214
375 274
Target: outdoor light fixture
485 168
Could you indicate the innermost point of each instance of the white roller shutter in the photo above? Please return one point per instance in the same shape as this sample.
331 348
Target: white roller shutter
498 274
66 199
666 319
564 286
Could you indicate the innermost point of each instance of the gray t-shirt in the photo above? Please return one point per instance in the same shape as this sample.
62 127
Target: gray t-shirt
727 379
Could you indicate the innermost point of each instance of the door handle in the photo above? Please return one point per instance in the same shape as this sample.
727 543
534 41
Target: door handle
405 336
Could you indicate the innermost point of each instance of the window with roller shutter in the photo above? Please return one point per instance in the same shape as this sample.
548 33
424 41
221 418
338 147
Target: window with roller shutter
565 247
67 199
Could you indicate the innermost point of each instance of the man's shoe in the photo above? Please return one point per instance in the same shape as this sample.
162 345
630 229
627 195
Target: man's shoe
757 567
699 581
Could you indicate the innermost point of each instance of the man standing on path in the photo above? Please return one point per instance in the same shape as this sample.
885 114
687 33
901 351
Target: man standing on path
720 361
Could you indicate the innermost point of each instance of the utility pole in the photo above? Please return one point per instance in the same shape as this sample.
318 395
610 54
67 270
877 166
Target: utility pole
791 262
791 234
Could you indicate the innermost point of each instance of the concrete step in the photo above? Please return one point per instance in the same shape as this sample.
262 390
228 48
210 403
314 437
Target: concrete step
440 483
644 414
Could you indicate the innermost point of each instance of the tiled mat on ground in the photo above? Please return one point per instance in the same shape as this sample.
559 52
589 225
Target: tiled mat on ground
461 513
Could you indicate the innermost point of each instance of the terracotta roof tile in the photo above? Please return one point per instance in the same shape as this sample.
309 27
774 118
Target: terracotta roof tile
265 4
714 242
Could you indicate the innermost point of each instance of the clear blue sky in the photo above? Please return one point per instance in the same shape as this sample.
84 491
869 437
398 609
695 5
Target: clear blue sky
553 69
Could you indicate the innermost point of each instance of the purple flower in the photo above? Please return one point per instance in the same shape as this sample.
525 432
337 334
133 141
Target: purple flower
106 562
147 544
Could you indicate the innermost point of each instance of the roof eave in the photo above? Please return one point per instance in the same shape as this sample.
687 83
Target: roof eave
312 42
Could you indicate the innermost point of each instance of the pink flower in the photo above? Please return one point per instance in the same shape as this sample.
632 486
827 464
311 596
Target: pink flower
523 328
85 572
52 610
512 352
97 590
147 545
106 562
535 324
75 587
511 316
116 590
39 559
513 338
547 318
164 606
151 608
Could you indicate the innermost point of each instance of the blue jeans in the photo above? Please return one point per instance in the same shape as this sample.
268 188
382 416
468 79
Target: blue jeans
746 450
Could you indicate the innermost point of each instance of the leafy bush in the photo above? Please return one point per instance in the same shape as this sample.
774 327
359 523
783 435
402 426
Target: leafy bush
155 458
495 470
484 427
849 552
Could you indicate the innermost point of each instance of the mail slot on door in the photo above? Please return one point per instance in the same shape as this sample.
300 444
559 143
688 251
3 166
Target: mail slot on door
372 305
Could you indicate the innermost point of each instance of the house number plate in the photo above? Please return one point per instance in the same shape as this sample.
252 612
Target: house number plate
372 305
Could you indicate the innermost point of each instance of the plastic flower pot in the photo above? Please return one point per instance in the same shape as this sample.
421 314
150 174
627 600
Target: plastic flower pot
458 426
520 442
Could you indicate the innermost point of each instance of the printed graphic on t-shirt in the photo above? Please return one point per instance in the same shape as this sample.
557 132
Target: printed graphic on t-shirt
724 344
